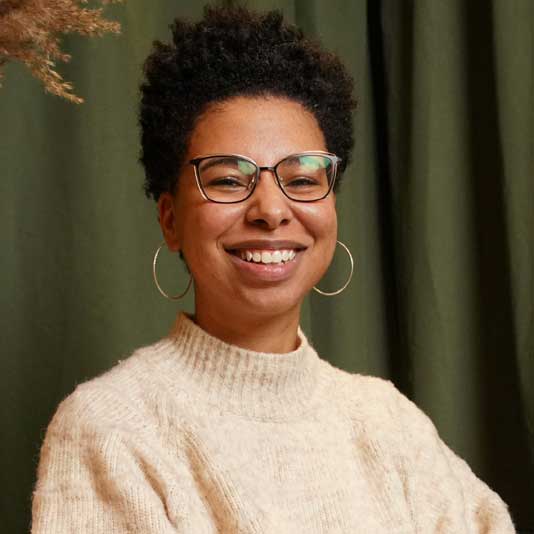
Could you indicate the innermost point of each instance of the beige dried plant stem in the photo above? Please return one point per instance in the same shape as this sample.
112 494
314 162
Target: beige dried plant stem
30 32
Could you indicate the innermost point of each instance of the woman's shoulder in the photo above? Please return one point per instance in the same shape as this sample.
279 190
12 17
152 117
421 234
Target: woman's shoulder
121 397
360 388
376 400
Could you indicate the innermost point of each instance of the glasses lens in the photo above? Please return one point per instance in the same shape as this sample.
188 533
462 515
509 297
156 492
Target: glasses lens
306 176
226 178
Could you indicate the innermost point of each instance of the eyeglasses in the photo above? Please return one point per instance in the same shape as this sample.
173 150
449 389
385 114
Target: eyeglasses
231 178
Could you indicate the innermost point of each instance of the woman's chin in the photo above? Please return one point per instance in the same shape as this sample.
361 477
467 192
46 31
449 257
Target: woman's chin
249 289
267 301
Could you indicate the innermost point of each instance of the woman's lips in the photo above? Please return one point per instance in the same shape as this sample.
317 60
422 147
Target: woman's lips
266 256
270 272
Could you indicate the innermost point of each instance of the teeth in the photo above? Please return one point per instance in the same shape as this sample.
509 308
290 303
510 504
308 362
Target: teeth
266 257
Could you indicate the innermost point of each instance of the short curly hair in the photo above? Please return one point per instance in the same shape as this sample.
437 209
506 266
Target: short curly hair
233 52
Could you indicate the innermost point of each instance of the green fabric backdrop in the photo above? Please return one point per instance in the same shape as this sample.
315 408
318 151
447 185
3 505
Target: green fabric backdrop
436 208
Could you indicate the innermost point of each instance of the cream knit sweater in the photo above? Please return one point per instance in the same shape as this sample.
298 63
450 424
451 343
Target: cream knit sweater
192 435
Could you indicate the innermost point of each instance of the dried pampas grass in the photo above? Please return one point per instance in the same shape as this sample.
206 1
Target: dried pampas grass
30 33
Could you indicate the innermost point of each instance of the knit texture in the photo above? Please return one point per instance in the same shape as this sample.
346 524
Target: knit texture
193 435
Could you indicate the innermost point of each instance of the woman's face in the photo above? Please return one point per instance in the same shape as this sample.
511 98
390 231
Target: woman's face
208 234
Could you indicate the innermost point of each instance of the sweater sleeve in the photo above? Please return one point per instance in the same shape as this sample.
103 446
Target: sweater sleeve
92 480
444 493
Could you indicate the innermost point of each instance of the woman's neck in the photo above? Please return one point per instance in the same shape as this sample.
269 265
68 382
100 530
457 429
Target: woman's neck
272 334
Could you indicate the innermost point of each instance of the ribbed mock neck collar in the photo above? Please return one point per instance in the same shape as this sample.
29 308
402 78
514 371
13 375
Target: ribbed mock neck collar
242 381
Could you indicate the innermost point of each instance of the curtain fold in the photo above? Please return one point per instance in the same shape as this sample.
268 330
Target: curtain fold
436 207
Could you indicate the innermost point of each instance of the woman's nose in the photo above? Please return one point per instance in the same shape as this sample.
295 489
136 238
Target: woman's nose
268 206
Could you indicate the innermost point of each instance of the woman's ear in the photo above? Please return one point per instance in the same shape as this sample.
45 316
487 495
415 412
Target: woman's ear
168 222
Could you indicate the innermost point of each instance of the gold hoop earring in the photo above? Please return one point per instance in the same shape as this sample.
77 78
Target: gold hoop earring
174 297
331 294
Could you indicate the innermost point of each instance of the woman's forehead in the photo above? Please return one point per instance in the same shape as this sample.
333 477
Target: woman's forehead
257 127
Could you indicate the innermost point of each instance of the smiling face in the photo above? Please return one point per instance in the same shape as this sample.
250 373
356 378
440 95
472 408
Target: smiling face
215 237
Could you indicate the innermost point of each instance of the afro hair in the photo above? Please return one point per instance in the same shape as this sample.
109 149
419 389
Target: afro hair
233 52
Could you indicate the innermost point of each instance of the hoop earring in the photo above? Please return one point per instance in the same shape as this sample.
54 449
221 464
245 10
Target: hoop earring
331 294
174 297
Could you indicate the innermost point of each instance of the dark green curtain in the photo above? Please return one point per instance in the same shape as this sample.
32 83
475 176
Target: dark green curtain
437 208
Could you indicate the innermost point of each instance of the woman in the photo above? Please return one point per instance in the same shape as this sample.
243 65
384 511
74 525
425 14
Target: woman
232 423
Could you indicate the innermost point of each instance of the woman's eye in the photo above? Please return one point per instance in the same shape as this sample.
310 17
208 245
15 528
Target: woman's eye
227 181
301 181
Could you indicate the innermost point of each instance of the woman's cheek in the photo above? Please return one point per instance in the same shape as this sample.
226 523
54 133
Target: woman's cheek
206 228
321 221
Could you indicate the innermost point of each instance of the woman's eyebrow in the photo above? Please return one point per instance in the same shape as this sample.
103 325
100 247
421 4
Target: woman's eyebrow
217 161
